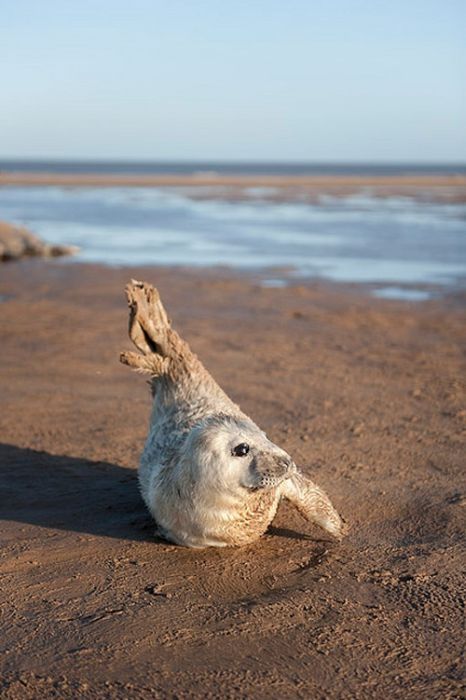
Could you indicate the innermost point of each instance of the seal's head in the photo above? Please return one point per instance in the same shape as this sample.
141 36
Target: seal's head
234 455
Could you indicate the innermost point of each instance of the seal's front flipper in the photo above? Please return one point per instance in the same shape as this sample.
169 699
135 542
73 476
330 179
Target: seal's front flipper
313 504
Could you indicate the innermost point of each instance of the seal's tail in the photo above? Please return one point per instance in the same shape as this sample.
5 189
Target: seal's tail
160 347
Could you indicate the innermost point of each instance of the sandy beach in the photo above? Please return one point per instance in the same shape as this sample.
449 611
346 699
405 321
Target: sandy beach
290 178
369 398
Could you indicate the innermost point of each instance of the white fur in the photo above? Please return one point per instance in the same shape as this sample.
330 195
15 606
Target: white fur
198 491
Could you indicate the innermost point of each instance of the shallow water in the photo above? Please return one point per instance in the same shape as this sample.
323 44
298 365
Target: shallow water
397 241
405 293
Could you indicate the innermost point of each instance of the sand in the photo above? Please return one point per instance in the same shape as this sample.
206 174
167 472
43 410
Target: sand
444 188
367 395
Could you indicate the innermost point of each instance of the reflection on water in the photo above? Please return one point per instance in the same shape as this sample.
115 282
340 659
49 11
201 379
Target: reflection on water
357 238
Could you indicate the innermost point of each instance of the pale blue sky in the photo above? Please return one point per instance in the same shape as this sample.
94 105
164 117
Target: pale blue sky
322 80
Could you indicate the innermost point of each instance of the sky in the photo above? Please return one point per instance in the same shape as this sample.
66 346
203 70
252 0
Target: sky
261 80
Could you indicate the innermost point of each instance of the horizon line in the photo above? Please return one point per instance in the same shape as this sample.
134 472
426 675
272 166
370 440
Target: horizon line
252 161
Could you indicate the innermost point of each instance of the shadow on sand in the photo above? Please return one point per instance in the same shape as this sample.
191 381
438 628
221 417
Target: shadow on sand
72 493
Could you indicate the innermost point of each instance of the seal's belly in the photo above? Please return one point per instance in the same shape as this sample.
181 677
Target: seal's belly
184 522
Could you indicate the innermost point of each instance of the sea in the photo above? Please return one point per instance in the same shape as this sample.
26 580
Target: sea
400 247
228 168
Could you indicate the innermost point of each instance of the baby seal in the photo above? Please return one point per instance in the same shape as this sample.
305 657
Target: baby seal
208 474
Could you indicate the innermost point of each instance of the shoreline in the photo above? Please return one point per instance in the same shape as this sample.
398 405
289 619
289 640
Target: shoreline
261 277
275 279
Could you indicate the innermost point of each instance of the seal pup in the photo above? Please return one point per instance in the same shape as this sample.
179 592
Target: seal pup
208 475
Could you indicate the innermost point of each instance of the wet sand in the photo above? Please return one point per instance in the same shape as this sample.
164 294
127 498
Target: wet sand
450 188
369 398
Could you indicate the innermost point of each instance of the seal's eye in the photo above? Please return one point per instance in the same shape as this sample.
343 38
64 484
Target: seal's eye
240 450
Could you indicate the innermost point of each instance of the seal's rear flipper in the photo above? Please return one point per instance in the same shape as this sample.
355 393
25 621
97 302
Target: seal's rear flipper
313 504
148 320
153 364
163 351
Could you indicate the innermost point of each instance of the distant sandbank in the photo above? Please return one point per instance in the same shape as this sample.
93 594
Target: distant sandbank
438 187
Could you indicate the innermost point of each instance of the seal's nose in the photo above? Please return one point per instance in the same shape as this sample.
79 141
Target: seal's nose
288 466
270 469
283 466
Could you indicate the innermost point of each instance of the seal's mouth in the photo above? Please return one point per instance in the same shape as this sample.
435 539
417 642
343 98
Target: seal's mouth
268 482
